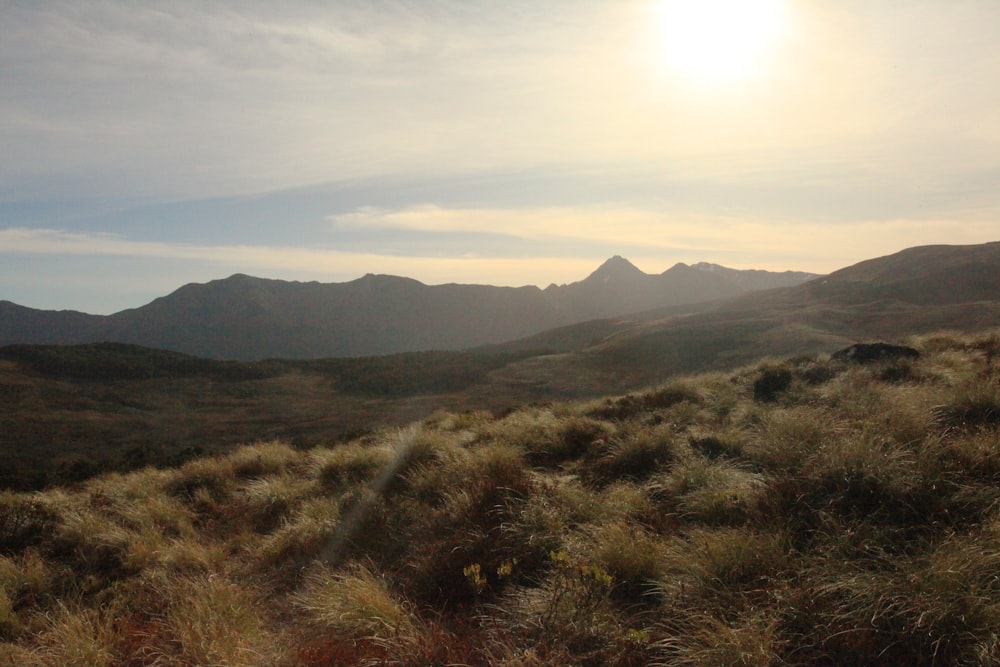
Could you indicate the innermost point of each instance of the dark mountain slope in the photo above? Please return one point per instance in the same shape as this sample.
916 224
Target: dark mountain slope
22 324
249 318
252 318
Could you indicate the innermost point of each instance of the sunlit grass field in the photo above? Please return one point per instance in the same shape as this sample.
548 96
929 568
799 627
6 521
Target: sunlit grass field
797 511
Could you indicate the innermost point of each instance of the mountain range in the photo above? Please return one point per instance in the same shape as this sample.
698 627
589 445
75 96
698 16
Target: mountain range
915 291
248 318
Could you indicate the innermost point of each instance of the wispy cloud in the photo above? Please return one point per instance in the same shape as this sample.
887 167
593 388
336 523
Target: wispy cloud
875 128
738 241
190 99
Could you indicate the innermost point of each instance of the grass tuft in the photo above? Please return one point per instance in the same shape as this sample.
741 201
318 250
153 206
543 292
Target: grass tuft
355 603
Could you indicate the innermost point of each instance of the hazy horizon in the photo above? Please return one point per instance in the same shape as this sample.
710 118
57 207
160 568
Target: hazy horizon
149 146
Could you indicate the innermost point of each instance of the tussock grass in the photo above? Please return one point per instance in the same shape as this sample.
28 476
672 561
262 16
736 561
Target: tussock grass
262 459
356 603
703 640
712 492
724 564
975 404
794 512
785 437
630 555
269 500
210 621
303 535
634 454
341 467
74 637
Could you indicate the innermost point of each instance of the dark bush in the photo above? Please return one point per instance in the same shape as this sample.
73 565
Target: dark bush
818 374
896 373
659 399
24 521
770 383
866 353
712 447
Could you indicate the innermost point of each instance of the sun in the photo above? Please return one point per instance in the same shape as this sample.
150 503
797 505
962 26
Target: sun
719 41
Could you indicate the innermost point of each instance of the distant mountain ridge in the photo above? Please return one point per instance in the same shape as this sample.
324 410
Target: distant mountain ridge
248 318
914 291
752 280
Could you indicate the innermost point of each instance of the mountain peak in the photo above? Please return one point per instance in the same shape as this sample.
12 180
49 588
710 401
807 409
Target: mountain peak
615 268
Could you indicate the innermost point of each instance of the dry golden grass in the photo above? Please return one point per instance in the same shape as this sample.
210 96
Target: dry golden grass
849 517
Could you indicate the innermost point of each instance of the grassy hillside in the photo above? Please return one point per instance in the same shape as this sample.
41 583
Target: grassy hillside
791 512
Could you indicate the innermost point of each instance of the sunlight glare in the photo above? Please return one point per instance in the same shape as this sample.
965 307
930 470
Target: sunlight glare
719 41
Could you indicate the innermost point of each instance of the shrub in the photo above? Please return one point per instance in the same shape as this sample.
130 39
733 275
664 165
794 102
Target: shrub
9 622
623 501
714 447
138 502
547 439
671 394
875 481
93 544
468 526
661 398
897 372
933 609
771 382
174 556
574 437
970 458
956 597
573 599
25 580
537 528
817 373
24 521
723 566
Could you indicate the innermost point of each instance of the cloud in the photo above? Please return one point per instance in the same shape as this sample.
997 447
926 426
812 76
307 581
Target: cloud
742 242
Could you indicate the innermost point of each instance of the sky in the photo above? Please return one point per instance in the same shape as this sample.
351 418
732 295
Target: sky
146 145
